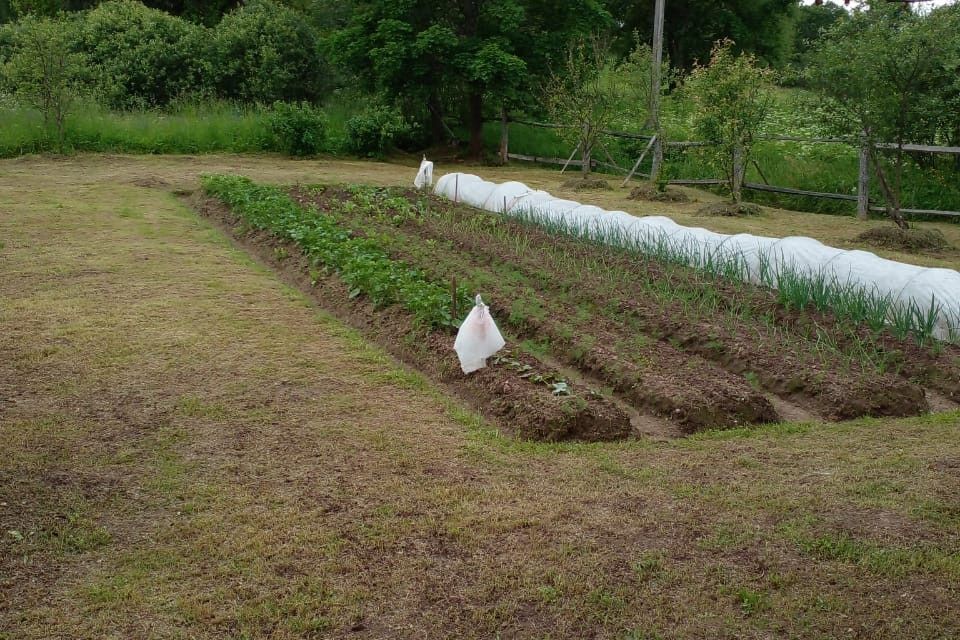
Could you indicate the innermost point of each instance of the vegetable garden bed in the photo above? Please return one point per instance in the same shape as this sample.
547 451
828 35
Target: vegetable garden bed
645 337
393 304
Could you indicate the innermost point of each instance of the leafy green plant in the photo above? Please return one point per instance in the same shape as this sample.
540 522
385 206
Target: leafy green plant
732 96
362 264
299 129
373 131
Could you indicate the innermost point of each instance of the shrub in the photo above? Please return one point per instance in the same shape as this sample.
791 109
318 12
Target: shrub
299 129
375 130
732 96
43 72
265 51
141 57
6 42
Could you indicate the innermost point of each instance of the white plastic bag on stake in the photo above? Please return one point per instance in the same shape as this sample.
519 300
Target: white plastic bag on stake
424 175
477 339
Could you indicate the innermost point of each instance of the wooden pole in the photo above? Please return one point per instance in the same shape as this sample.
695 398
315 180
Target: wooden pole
453 299
613 163
573 153
863 183
504 136
639 160
760 171
655 88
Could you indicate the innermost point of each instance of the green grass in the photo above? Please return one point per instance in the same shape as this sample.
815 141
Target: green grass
206 127
190 129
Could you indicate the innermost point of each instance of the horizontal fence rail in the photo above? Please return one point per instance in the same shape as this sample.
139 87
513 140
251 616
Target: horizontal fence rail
862 199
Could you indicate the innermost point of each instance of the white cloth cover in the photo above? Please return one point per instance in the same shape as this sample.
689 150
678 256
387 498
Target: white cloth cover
905 284
477 339
424 175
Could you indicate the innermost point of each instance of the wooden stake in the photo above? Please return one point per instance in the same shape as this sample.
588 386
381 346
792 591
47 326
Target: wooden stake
504 136
863 181
639 160
453 299
575 149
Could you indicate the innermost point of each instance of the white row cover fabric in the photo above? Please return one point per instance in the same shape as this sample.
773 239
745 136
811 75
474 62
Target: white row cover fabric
424 175
905 284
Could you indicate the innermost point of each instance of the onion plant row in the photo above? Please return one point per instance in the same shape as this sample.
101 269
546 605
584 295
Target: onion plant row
795 289
670 284
360 262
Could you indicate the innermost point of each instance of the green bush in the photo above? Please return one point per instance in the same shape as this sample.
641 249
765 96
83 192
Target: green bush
299 129
6 42
375 130
141 57
265 51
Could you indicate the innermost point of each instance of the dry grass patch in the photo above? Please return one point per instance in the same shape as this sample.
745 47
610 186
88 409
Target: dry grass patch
190 449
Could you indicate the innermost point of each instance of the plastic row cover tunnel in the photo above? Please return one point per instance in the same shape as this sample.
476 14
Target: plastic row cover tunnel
761 259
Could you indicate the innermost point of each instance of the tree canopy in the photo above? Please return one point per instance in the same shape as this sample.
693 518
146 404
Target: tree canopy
460 52
886 73
764 28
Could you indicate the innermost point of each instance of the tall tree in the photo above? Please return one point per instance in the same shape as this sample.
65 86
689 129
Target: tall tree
591 90
460 53
43 71
763 28
879 71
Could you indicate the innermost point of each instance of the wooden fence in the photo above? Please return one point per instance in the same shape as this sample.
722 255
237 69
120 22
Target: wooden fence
862 198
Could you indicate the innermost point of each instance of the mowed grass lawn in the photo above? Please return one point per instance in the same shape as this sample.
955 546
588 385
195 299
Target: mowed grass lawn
191 449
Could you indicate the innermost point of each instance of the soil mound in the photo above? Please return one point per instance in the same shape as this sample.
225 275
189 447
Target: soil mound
730 209
586 184
651 193
152 182
909 240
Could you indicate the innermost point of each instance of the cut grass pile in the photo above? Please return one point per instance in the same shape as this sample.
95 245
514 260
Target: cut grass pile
191 449
910 240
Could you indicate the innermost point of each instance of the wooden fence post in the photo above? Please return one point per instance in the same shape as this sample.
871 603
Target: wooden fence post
863 183
504 136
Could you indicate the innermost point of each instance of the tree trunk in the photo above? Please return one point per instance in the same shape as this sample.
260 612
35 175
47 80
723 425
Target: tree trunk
436 119
585 151
892 199
476 124
736 179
